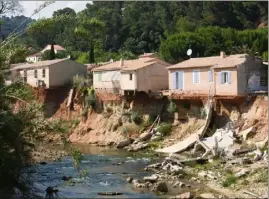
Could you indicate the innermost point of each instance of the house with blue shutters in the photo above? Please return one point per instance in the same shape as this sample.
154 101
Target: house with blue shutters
222 75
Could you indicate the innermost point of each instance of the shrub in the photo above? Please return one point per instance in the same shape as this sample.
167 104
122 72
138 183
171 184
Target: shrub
84 112
164 128
76 122
172 107
77 157
131 129
137 118
230 179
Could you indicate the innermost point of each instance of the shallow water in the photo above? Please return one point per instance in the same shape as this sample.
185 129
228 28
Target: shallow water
107 172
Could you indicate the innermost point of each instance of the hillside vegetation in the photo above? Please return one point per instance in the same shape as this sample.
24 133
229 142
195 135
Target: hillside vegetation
105 30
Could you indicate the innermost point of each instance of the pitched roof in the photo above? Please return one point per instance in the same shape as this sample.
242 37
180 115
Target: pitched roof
56 47
39 64
216 62
130 65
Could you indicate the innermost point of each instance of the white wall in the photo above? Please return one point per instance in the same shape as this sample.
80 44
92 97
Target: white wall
126 83
109 81
31 80
33 59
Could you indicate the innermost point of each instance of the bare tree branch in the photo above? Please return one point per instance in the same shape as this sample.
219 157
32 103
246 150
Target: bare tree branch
12 6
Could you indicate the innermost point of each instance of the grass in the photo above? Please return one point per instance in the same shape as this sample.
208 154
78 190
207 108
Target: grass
230 179
75 122
262 176
137 118
132 128
164 128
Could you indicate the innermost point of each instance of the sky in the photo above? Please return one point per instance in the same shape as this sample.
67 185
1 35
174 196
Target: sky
30 6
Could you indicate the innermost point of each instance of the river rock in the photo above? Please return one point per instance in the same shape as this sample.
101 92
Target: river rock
144 136
129 179
137 147
125 143
161 187
151 179
186 195
241 173
109 193
207 195
202 174
66 178
153 166
155 138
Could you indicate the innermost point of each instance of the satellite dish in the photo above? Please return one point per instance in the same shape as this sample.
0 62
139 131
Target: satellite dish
189 52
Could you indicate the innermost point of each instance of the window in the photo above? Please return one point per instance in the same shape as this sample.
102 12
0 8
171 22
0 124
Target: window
225 77
43 72
196 76
99 76
210 75
35 71
130 76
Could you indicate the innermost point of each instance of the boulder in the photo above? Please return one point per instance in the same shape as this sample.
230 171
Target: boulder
155 138
153 166
129 179
202 174
207 195
66 178
144 136
125 143
137 147
186 195
241 173
151 179
162 187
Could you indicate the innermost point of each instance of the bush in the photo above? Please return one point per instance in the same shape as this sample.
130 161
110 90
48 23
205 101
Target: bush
137 118
165 128
230 179
131 129
84 112
172 107
77 157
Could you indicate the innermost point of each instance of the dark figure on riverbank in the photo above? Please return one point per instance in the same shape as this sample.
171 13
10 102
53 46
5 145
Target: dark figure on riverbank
50 192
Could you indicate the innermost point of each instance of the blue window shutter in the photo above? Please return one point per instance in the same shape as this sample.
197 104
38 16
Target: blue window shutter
194 77
229 77
174 86
220 77
210 76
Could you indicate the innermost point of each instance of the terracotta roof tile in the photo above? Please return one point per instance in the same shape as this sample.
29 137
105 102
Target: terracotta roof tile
217 62
39 64
129 65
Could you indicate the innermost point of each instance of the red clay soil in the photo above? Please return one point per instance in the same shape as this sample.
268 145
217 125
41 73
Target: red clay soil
108 97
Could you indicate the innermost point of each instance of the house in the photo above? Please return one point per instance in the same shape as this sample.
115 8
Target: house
220 75
147 73
34 58
49 73
57 48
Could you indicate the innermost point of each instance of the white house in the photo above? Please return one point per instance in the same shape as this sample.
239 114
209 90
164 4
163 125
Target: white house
57 48
147 74
34 58
49 73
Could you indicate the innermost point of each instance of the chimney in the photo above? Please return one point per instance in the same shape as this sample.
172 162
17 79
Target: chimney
121 62
222 54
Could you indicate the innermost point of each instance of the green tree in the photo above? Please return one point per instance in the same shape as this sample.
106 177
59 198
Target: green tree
90 30
174 48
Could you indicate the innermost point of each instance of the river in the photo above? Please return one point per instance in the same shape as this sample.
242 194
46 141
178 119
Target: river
107 170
